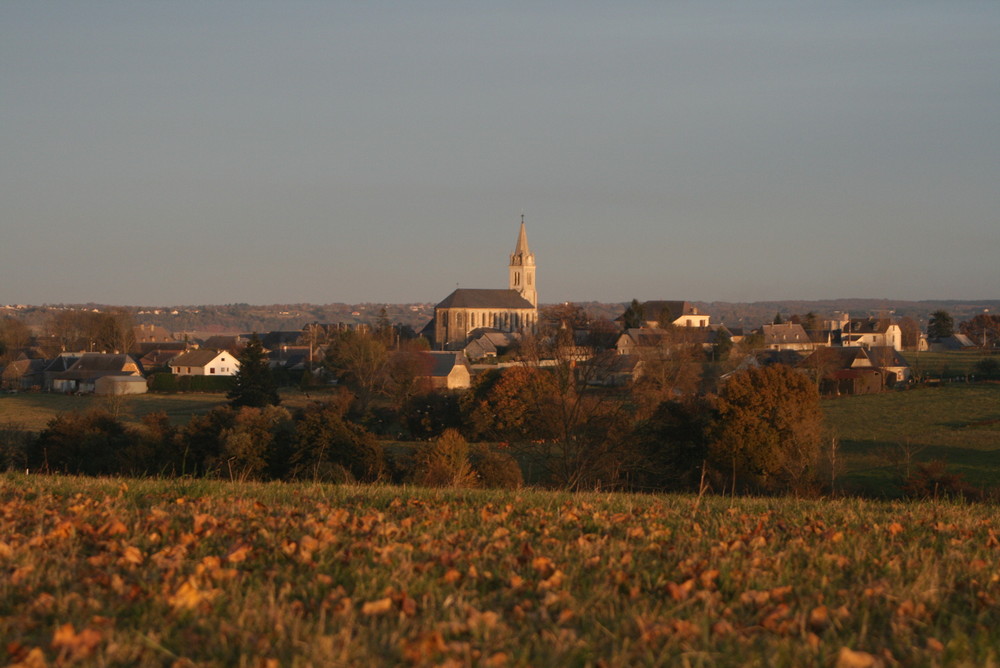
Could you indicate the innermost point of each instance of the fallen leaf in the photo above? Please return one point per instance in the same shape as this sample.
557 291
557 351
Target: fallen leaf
379 607
848 658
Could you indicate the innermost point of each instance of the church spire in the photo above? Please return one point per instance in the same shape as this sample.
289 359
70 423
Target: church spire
522 267
522 241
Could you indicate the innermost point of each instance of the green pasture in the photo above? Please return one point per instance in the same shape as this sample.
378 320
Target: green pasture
958 423
944 365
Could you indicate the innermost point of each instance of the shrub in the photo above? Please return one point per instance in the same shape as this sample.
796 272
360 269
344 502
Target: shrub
247 447
443 462
495 469
163 382
324 438
933 480
14 442
90 443
673 444
987 367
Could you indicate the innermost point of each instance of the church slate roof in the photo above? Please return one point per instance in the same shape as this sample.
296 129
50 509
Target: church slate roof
483 298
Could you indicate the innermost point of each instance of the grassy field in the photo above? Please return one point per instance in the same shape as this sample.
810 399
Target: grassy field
151 573
33 410
958 423
953 364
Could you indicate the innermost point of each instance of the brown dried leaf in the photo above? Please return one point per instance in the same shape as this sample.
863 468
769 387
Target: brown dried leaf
378 607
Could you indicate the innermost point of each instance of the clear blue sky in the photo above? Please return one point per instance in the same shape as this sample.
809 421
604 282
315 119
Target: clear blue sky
158 153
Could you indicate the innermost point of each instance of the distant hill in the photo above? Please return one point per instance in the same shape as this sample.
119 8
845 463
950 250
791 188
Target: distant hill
243 318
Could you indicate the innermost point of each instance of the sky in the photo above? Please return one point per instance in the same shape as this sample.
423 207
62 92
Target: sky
191 152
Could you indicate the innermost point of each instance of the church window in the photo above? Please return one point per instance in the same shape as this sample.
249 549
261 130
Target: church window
529 279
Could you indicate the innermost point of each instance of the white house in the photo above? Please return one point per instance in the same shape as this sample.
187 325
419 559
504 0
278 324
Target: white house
871 333
205 363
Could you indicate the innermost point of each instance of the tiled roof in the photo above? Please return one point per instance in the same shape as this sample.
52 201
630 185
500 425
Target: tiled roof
101 362
480 298
444 362
196 357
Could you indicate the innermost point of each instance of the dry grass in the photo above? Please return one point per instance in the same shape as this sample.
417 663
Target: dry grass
205 573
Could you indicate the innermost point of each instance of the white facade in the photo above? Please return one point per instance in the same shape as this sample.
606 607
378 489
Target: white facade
205 363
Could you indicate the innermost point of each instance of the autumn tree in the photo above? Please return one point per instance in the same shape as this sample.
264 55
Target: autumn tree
673 445
253 447
358 361
983 330
404 371
14 335
910 330
114 331
554 419
769 430
253 384
940 326
443 462
89 443
667 371
561 321
329 447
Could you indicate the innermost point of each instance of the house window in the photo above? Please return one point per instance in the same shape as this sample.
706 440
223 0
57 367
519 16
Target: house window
211 370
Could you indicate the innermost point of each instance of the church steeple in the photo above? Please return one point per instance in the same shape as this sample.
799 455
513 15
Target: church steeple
522 268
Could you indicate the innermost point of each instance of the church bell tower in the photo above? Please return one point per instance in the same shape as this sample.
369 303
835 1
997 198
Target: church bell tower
522 268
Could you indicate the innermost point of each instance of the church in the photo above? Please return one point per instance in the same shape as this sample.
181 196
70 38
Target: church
512 310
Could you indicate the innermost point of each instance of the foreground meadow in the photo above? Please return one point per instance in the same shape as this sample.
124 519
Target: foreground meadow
183 572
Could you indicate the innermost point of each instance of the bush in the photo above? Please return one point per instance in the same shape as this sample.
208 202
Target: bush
987 367
163 382
443 462
168 382
673 444
199 443
14 442
429 415
91 443
324 439
933 480
495 469
248 447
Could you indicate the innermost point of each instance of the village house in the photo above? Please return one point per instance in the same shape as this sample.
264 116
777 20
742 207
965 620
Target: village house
658 313
786 336
489 344
152 334
449 370
23 374
872 332
856 370
205 362
83 374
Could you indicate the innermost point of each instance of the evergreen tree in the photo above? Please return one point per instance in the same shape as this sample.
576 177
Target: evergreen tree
253 384
634 315
941 325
